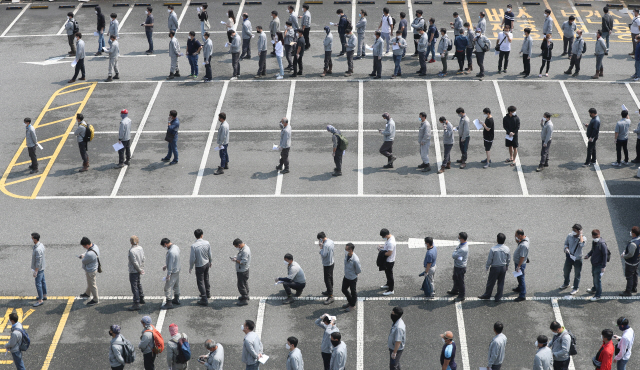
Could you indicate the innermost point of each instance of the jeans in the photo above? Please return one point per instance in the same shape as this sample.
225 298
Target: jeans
126 149
496 273
41 285
621 145
100 41
637 68
34 157
575 61
262 63
361 45
243 283
567 43
235 62
173 149
633 40
287 54
202 279
17 359
246 48
388 273
224 155
394 364
326 360
328 278
622 364
386 37
80 68
428 285
193 62
527 64
298 287
328 64
149 359
599 58
149 32
631 274
350 285
464 146
396 60
284 158
431 48
343 42
605 36
207 69
136 287
458 281
423 63
597 280
350 60
591 151
503 55
480 60
568 265
84 147
202 30
521 283
337 160
279 59
544 153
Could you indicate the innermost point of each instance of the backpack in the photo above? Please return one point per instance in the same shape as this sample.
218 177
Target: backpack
572 348
128 352
89 132
608 255
449 45
343 143
391 24
584 47
26 341
184 351
158 342
76 28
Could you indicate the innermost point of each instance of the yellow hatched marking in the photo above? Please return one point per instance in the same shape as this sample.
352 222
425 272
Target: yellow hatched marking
555 21
60 120
63 106
74 90
22 180
51 138
25 162
58 334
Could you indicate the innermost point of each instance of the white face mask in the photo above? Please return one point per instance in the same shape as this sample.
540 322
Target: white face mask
96 12
596 239
169 11
442 340
285 262
514 114
601 338
574 233
508 9
146 12
536 344
485 116
544 119
242 327
478 34
630 234
288 346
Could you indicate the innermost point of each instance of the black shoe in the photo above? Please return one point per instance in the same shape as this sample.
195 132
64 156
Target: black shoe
516 289
392 159
34 171
293 75
377 78
219 171
388 165
341 54
177 74
545 165
460 299
173 162
289 300
117 76
356 58
567 72
203 302
92 302
286 170
422 165
519 299
625 294
325 293
84 295
226 166
142 300
167 306
634 290
278 167
427 168
165 159
337 173
242 303
176 299
135 307
484 297
451 292
372 74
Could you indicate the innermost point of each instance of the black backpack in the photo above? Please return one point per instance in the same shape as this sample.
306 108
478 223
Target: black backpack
584 47
393 21
128 352
574 344
449 45
76 28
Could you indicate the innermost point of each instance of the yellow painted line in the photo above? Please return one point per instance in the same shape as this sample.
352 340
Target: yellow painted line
555 21
22 180
64 106
629 12
466 10
25 162
6 362
51 138
74 90
16 297
58 334
60 120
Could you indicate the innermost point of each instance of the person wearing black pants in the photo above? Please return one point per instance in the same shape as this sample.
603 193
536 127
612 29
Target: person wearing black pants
326 254
285 145
200 257
328 324
299 53
631 257
352 268
460 256
547 47
389 249
504 45
526 51
593 129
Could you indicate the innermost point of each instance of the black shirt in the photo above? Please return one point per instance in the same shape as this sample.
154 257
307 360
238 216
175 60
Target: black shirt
101 21
203 16
511 124
149 20
488 135
193 46
300 43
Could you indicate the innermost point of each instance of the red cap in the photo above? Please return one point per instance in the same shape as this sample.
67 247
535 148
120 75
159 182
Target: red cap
124 111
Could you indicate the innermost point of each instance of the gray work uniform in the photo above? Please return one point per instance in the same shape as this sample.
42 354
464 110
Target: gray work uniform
172 283
424 139
114 54
242 270
174 53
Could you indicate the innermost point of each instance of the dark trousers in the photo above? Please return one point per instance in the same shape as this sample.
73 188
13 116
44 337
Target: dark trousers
567 42
343 42
84 147
284 157
136 287
246 48
262 63
79 68
377 66
521 283
337 160
631 274
287 54
460 57
495 367
464 146
547 63
229 36
504 55
637 149
121 367
416 39
350 285
591 151
34 157
458 281
350 60
298 287
387 149
297 64
235 62
202 279
621 145
328 278
495 273
149 34
394 364
561 365
544 153
328 64
388 272
423 63
569 264
126 150
307 40
243 283
224 155
72 42
469 55
575 61
480 60
326 360
149 359
207 69
173 149
527 64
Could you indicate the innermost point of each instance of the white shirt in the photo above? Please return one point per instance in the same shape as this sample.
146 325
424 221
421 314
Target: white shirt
625 344
279 49
635 25
230 24
390 245
387 21
506 44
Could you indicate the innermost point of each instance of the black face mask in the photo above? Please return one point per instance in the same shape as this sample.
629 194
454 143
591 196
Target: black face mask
395 318
335 343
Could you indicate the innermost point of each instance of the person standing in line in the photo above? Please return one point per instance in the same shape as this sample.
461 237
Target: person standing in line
443 50
174 54
504 44
338 352
298 48
79 61
598 255
230 24
193 49
636 75
568 33
293 17
173 124
90 265
460 43
389 135
634 27
361 27
543 360
83 143
560 344
573 245
116 348
352 42
607 27
487 135
631 257
328 323
385 28
469 50
71 27
306 25
621 139
637 132
482 22
497 263
428 285
38 264
173 19
114 54
497 347
31 142
509 18
457 24
124 137
147 344
285 146
113 28
172 350
601 50
200 257
460 257
251 346
352 269
223 143
15 341
234 50
511 125
100 29
520 258
342 29
547 47
203 16
326 256
148 29
464 137
402 26
526 51
274 28
576 56
448 353
207 51
262 53
136 270
172 279
242 261
279 50
604 358
625 343
294 280
432 35
399 47
447 140
247 35
289 39
424 139
328 43
389 252
215 358
396 338
294 358
417 25
377 47
482 44
593 129
421 50
547 27
545 135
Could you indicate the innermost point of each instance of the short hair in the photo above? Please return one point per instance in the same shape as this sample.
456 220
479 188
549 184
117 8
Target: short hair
547 114
339 11
593 111
305 6
245 15
605 9
624 113
460 110
114 15
377 33
207 34
209 344
70 14
293 341
112 37
290 7
164 241
27 119
635 230
274 12
399 32
461 31
595 232
554 325
572 18
623 321
237 242
542 339
486 110
149 9
222 115
326 320
13 316
599 32
134 240
607 334
172 33
173 113
259 28
384 232
520 232
428 240
170 7
403 14
466 24
233 32
364 12
385 10
442 119
350 246
527 30
432 20
79 35
548 11
80 116
249 324
205 6
288 23
419 12
498 327
577 227
482 14
321 235
501 238
288 256
36 236
398 311
336 335
455 14
192 33
511 109
85 241
443 30
301 31
462 235
198 233
423 114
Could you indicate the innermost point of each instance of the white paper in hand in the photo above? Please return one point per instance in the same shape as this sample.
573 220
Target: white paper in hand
263 359
39 146
226 44
460 258
73 64
624 107
331 23
223 22
478 124
275 147
117 146
217 148
510 138
395 47
278 282
572 257
517 273
164 278
96 33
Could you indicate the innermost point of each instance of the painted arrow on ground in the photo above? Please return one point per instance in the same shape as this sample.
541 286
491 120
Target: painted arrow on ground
56 60
418 243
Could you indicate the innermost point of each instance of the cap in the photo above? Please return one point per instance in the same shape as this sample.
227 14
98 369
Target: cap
444 335
124 111
146 320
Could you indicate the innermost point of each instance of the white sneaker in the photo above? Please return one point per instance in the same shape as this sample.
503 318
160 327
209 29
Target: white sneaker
625 163
573 292
233 78
563 287
636 79
279 77
384 287
615 164
389 292
546 75
593 299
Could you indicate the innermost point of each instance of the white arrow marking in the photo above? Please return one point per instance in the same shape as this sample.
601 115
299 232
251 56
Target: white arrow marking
415 243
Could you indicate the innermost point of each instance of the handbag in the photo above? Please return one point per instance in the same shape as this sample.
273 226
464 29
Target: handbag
497 48
169 136
98 258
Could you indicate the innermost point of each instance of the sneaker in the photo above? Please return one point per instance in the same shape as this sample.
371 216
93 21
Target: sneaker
173 162
563 287
279 77
594 299
83 295
328 301
242 303
286 170
540 168
388 292
92 302
345 305
625 294
624 163
427 168
615 164
349 308
591 290
574 291
483 297
487 165
432 61
540 76
289 300
384 287
586 165
546 75
37 304
135 307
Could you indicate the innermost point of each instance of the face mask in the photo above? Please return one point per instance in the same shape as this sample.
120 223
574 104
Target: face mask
574 233
536 344
508 9
485 116
285 262
443 340
169 119
242 327
146 12
544 119
517 240
602 338
514 114
287 346
123 116
596 239
169 11
335 343
621 328
96 12
359 15
630 234
111 335
281 125
395 318
477 34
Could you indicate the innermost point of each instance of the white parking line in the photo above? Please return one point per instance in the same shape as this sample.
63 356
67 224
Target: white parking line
125 18
436 139
16 19
578 17
74 13
161 316
184 11
360 137
558 315
260 319
523 184
238 16
353 14
386 299
463 336
360 333
289 111
633 95
605 188
114 192
212 132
